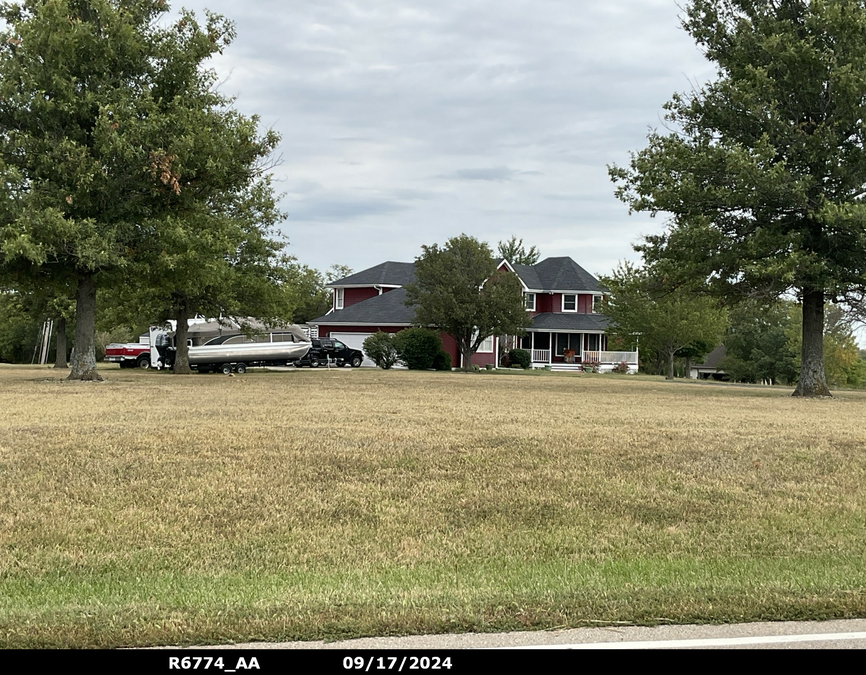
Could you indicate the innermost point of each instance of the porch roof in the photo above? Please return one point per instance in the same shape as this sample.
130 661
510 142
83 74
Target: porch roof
568 321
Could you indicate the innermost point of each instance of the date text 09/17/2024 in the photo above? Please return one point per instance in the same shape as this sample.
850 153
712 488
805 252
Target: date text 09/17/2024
349 663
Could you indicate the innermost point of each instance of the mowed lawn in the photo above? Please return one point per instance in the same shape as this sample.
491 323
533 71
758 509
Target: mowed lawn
156 509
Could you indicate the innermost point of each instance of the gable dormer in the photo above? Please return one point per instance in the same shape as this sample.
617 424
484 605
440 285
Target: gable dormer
558 285
371 282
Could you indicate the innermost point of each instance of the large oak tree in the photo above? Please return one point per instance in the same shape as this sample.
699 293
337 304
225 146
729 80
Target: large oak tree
764 170
117 151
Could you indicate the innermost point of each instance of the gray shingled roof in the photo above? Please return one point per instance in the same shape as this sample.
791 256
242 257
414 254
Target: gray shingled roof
388 273
569 321
712 360
551 274
386 310
557 274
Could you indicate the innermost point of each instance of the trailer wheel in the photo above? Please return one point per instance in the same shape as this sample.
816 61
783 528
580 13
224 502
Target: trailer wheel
143 363
226 369
356 361
241 368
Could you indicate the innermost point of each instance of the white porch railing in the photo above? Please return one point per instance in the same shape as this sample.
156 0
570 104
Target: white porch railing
541 356
610 357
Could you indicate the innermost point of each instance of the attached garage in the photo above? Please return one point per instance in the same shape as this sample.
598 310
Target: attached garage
355 341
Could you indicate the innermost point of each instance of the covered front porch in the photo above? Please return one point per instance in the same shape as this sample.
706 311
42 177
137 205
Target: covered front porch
579 351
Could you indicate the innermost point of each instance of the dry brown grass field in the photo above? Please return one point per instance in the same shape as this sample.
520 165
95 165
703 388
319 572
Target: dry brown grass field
157 509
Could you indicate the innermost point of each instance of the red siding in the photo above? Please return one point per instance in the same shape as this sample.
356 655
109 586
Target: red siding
552 302
352 296
450 346
544 303
483 359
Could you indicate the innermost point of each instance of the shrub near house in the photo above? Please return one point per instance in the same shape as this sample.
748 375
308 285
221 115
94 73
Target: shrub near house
379 348
421 349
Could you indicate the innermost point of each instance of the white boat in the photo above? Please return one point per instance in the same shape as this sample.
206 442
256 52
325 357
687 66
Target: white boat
235 352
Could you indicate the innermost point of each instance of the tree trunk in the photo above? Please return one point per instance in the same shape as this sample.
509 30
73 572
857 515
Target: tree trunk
688 367
812 381
670 373
466 353
181 356
60 356
84 358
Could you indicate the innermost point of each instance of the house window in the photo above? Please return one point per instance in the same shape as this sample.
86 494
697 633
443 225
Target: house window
593 343
568 341
596 304
338 298
486 346
530 302
569 303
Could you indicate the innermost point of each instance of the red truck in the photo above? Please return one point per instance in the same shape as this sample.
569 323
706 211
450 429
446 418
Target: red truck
129 355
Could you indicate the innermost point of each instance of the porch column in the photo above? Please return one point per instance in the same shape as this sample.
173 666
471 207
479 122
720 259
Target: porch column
550 338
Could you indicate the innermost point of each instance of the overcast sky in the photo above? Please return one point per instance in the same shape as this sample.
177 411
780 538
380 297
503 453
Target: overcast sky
406 123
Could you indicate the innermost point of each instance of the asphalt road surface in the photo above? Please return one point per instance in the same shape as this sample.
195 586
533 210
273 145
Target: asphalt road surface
840 634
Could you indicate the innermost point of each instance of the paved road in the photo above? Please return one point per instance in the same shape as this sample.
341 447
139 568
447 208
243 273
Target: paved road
847 634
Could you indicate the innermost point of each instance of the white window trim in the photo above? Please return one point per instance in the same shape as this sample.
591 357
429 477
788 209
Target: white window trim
562 302
596 300
339 298
526 302
481 349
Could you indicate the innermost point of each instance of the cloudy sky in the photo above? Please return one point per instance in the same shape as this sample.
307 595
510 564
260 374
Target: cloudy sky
405 123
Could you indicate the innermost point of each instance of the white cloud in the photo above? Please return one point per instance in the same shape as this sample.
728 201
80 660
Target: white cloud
405 123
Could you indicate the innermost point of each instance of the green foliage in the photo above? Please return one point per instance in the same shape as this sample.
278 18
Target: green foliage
380 348
661 319
312 298
336 272
121 160
442 361
758 345
763 344
458 289
764 168
19 330
697 349
514 252
418 348
520 357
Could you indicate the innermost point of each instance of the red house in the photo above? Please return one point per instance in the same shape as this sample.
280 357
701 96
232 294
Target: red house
566 331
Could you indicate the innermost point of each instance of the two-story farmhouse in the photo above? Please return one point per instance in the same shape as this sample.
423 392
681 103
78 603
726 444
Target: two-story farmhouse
562 298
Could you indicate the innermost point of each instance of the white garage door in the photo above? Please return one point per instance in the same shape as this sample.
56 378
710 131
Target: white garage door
355 341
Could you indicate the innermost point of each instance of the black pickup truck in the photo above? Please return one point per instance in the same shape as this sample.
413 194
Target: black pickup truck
326 351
